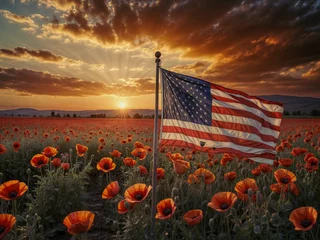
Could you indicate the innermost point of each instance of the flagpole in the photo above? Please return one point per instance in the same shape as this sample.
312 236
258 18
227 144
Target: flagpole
155 146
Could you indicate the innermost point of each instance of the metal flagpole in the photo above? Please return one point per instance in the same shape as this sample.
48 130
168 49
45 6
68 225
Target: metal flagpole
155 146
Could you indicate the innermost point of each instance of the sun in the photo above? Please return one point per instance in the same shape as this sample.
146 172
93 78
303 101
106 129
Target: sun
122 105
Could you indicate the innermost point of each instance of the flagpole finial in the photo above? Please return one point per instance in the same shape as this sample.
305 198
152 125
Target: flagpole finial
158 54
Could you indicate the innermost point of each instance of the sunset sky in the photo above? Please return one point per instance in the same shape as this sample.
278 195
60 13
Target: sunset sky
99 54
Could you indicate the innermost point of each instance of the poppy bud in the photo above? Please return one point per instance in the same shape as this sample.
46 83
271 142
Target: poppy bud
272 195
115 224
237 227
147 207
174 192
233 212
176 199
29 220
250 192
268 214
70 151
243 172
29 172
257 229
259 199
41 229
127 205
91 157
211 223
264 219
265 189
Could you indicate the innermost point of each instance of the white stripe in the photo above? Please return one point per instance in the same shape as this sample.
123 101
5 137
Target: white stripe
265 106
262 160
215 130
246 121
240 106
212 144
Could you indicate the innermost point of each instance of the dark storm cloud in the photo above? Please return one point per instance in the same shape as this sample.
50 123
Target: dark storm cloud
42 83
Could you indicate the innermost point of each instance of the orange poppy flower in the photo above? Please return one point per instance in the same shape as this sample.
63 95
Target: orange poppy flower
106 164
128 161
286 162
208 176
50 152
230 176
175 156
180 166
243 186
265 168
298 151
122 206
256 171
16 146
2 149
7 222
225 159
12 189
222 201
193 217
101 140
39 160
111 190
56 162
143 170
160 173
193 179
65 166
81 150
79 222
138 144
115 153
284 176
279 148
166 208
278 188
307 156
140 153
148 148
137 193
303 218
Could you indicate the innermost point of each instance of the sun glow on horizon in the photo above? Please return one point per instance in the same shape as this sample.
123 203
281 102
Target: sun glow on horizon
122 105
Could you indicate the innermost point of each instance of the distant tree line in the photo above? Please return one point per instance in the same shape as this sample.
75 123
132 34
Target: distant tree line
313 113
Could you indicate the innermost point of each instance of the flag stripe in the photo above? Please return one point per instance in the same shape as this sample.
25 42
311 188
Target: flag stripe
248 104
249 110
267 107
183 143
247 122
212 131
231 91
223 137
242 113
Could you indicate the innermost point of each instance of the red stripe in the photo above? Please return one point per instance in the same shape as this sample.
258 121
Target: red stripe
228 90
216 137
248 104
179 143
246 114
243 128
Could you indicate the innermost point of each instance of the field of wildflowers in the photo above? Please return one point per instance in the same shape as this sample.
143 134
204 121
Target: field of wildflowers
91 179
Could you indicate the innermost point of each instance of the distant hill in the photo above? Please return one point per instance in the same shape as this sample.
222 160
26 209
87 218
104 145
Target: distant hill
291 104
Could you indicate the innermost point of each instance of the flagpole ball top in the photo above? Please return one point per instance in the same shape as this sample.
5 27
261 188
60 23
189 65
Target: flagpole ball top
158 54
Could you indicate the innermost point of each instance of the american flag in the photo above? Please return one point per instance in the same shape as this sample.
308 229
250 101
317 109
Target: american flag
207 117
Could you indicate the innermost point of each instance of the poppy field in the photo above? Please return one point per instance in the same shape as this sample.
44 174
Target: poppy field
91 179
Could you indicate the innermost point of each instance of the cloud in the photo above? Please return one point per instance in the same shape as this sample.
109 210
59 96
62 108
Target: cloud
18 18
196 67
43 83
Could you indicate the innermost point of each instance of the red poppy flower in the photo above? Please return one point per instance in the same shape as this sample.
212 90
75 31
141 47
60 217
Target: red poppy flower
137 192
279 148
101 140
138 144
265 168
128 161
140 153
16 146
298 151
307 156
193 217
7 221
160 173
2 149
12 189
243 186
79 222
39 160
284 176
286 162
205 174
222 201
122 206
256 171
148 148
143 170
65 166
225 159
50 152
111 190
106 164
230 176
303 218
281 188
56 162
115 153
81 150
166 208
180 166
312 164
